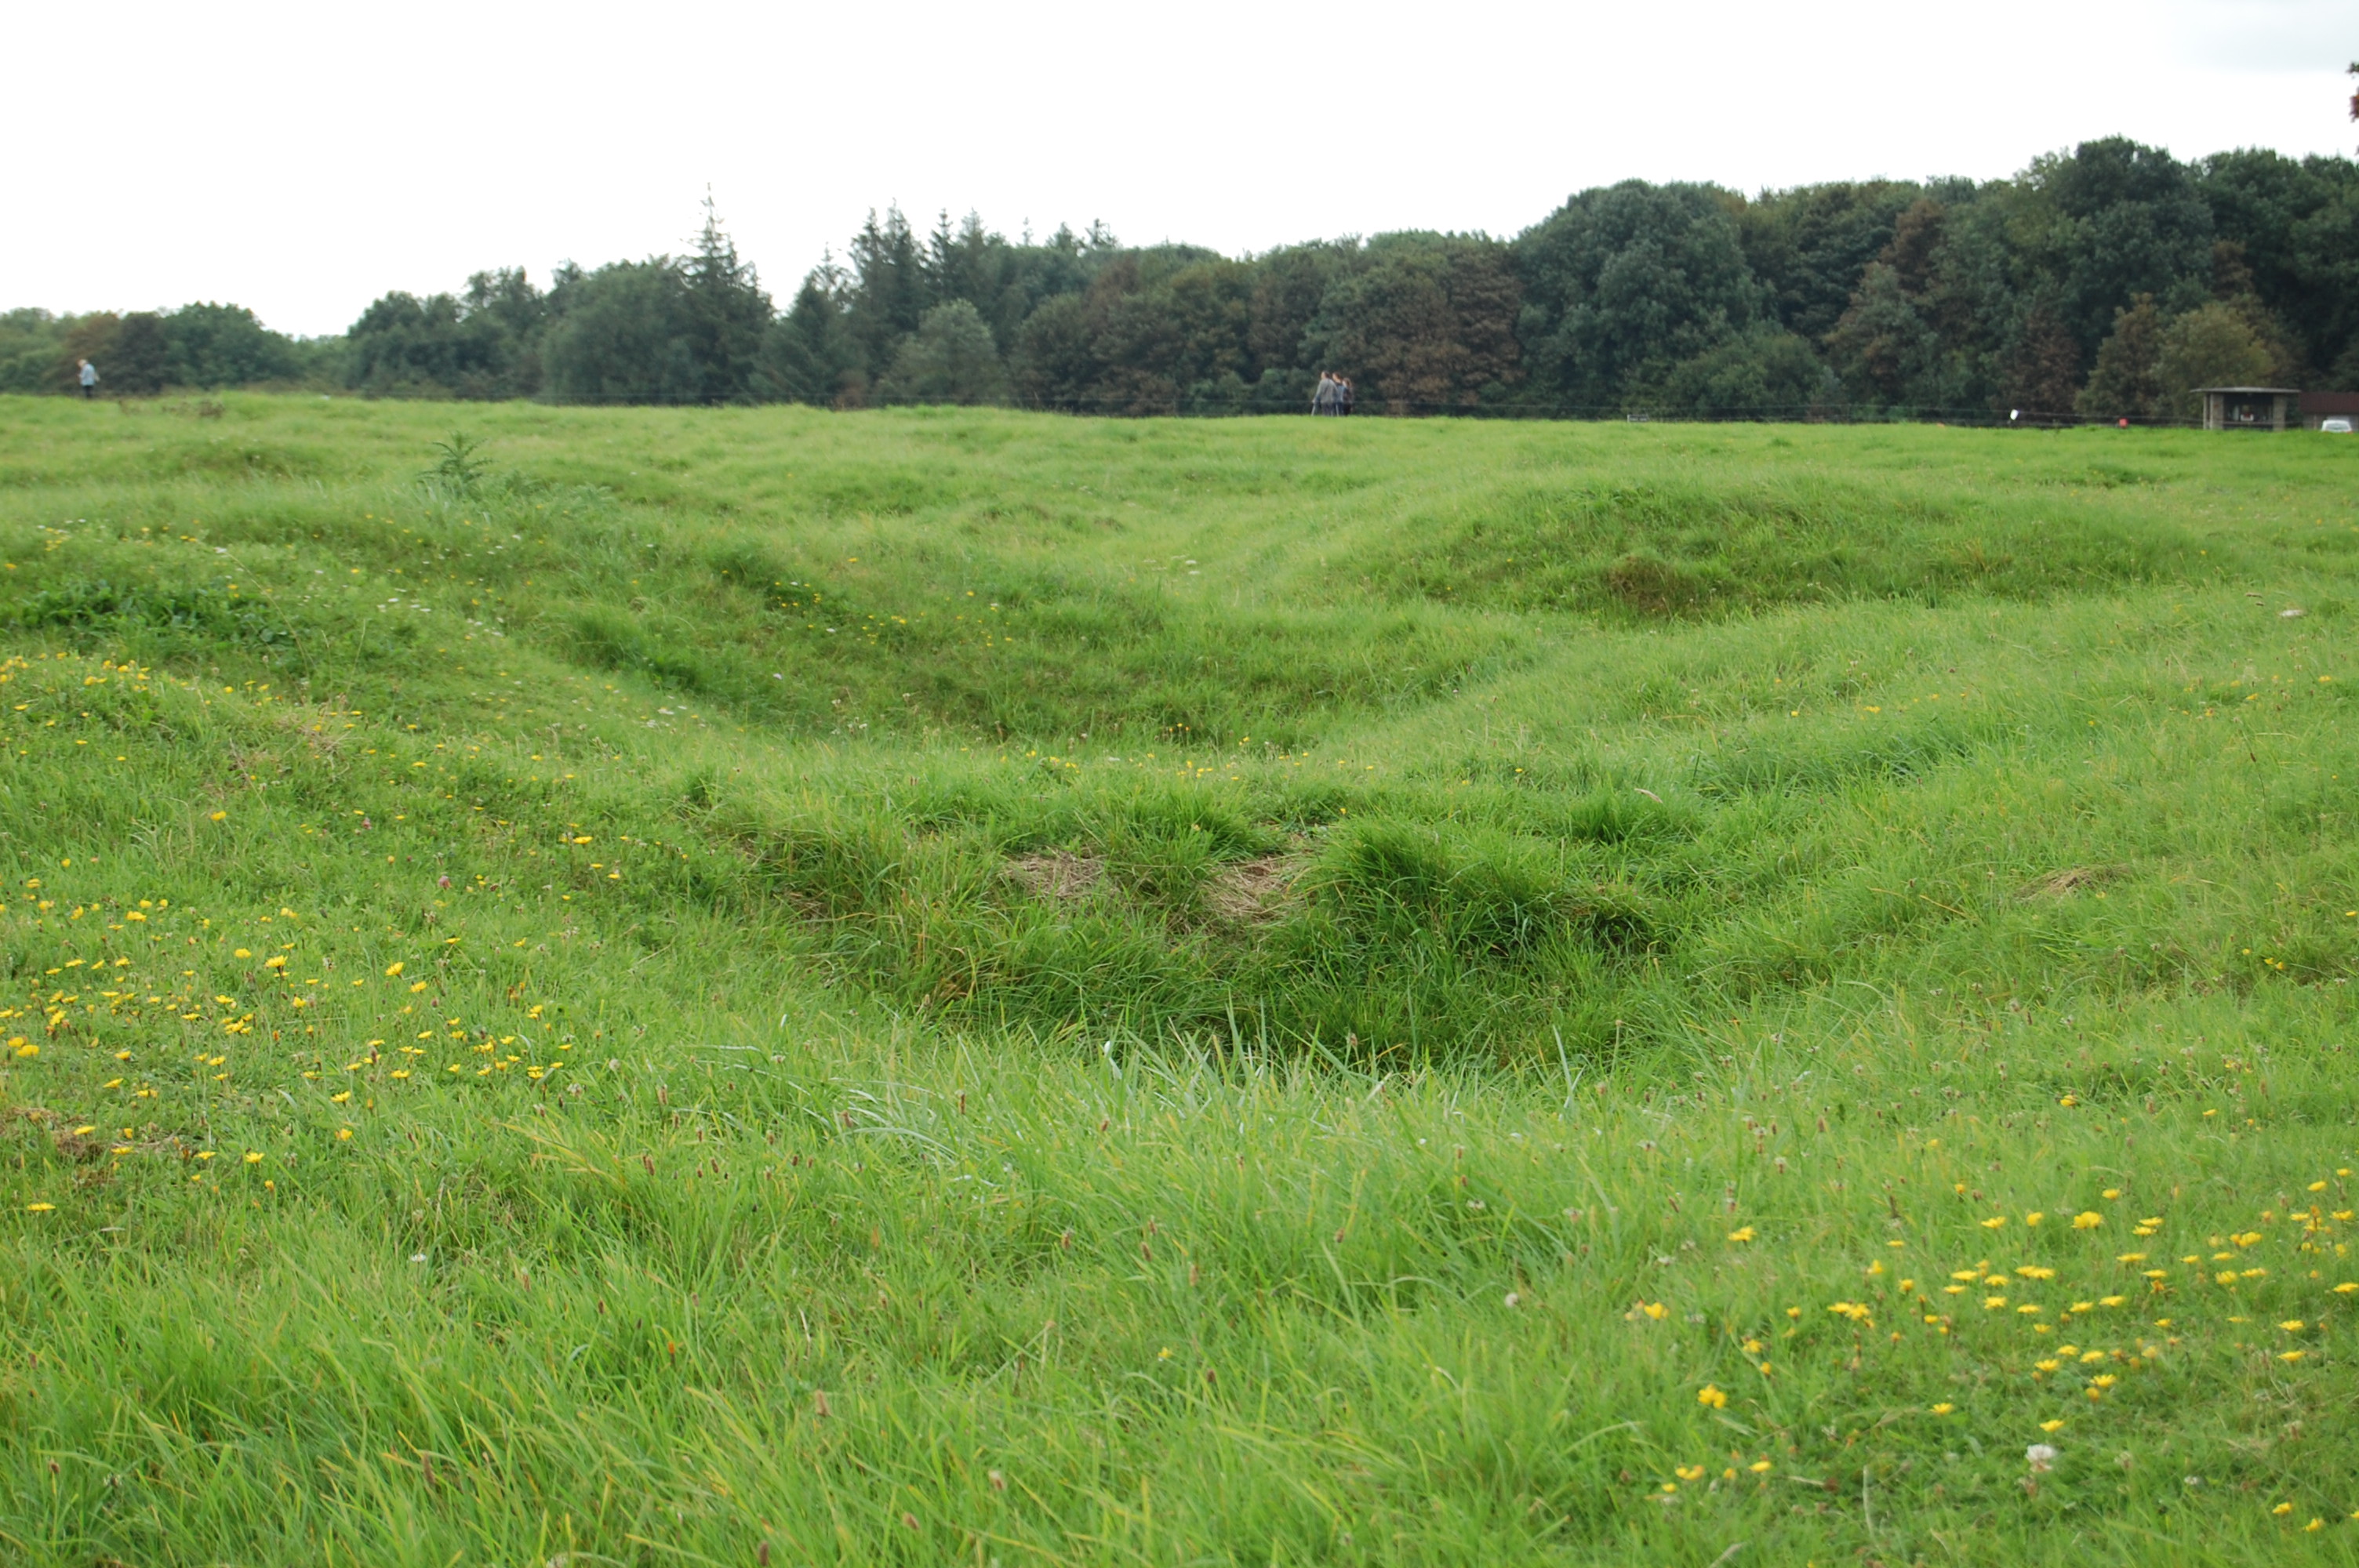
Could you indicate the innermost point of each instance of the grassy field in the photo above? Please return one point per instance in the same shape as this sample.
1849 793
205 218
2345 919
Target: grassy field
756 986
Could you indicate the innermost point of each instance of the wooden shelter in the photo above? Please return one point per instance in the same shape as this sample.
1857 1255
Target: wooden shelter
2248 408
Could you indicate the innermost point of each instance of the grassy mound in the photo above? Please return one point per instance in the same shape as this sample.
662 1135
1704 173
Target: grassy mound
1673 546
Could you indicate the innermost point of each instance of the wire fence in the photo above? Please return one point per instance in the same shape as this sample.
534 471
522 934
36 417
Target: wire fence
1121 406
1186 407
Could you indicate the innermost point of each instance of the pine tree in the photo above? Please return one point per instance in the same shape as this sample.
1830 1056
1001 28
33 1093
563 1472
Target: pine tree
728 314
889 290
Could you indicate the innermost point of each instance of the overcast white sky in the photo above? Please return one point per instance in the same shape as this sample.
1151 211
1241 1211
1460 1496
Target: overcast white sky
304 158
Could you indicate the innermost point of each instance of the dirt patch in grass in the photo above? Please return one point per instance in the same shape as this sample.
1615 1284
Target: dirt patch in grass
1058 875
2072 880
1256 889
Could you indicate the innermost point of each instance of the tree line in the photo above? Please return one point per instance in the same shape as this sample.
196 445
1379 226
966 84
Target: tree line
2104 282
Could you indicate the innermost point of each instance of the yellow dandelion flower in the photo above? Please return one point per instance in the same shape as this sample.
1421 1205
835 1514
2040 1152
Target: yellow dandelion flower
1943 1409
253 1158
1742 1233
1713 1397
39 1207
395 968
2088 1220
2052 1427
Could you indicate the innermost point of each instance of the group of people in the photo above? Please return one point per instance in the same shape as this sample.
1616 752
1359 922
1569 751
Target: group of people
1334 395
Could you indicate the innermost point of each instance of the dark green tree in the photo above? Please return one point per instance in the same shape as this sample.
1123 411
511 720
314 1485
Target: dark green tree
1429 323
2043 366
2296 225
1056 364
1883 350
452 346
1623 283
88 336
625 334
1290 287
951 357
141 358
728 315
31 341
889 289
2127 220
2126 383
807 355
2212 345
224 345
1808 245
1763 373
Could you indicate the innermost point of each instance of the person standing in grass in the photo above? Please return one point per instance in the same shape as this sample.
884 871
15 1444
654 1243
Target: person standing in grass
89 380
1323 401
1342 394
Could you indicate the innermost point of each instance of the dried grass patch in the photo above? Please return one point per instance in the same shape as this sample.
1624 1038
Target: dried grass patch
1058 875
1256 890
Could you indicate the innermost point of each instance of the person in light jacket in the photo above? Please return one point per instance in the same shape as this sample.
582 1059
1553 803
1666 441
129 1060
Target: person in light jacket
1323 400
89 380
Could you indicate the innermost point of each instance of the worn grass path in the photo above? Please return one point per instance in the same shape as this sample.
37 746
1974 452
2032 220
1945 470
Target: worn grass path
761 987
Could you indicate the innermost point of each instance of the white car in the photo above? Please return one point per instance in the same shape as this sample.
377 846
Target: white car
2338 426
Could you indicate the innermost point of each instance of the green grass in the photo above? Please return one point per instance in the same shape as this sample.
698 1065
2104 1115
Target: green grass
955 986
